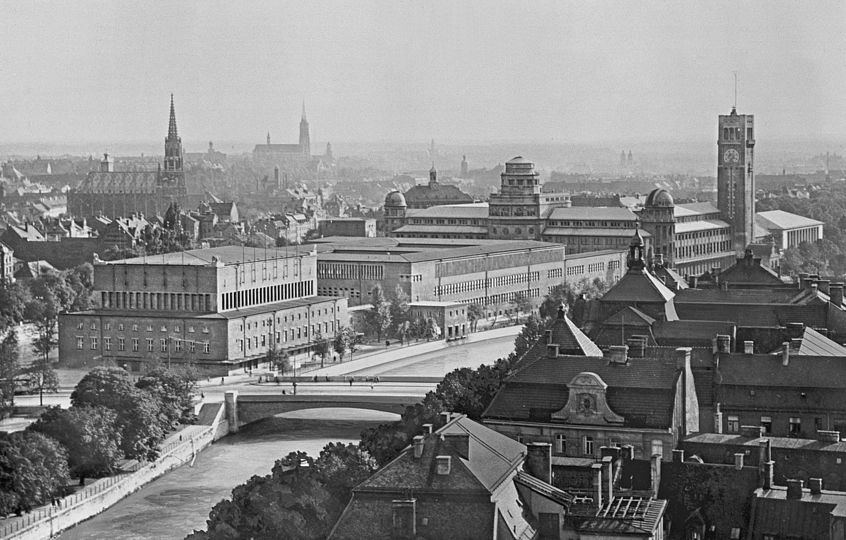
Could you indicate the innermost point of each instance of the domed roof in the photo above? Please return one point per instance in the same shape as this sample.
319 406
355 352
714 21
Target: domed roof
518 159
395 198
659 197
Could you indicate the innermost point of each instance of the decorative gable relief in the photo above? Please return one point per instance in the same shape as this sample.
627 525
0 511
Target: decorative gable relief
586 403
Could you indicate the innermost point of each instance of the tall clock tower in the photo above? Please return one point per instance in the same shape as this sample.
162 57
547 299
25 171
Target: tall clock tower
736 176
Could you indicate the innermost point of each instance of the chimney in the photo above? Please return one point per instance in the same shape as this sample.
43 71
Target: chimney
444 464
655 473
828 436
749 347
428 428
445 416
539 461
608 467
613 451
678 455
548 337
836 294
597 483
794 488
824 285
795 343
766 464
816 485
752 432
718 420
785 353
552 350
738 461
683 358
618 354
627 452
418 446
460 442
803 277
723 343
637 346
693 282
814 288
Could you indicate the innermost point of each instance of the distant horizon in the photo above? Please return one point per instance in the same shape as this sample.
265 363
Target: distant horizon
597 72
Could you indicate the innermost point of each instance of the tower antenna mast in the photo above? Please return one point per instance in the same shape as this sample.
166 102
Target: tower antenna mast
735 90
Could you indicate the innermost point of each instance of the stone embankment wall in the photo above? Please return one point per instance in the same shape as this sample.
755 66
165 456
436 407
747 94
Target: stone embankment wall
47 521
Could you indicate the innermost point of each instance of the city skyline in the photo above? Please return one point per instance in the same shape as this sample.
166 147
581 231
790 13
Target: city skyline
565 73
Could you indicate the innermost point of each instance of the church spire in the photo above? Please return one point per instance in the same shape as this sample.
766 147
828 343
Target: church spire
304 113
171 128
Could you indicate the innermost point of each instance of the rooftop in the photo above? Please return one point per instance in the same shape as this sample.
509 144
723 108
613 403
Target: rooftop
694 209
593 213
781 220
226 255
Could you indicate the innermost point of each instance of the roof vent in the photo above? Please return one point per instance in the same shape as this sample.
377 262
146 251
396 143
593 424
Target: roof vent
618 354
418 446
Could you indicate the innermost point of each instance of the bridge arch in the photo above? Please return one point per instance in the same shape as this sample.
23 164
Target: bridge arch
245 408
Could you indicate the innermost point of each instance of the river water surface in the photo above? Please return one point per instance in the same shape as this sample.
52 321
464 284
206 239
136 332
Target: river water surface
179 502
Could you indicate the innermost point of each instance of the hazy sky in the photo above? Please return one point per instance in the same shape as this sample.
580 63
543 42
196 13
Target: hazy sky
410 71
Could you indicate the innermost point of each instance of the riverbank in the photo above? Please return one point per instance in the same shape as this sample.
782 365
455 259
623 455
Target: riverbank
178 449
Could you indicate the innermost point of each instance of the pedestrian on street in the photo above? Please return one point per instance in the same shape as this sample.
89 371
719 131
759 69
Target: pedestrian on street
351 381
221 380
295 388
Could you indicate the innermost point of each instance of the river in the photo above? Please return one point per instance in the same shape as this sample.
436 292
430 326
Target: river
179 502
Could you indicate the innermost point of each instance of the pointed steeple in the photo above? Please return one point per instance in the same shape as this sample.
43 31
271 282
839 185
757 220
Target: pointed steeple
171 128
304 113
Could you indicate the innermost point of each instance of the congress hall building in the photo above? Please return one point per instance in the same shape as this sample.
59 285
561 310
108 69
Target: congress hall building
220 308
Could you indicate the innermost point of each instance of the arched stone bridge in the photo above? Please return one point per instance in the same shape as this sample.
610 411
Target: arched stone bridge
243 409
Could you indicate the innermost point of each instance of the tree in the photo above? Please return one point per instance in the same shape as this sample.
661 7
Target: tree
521 304
10 369
339 344
81 280
291 502
13 300
321 346
88 434
343 466
278 360
138 412
347 339
475 312
433 331
529 334
173 387
379 318
43 377
399 312
33 470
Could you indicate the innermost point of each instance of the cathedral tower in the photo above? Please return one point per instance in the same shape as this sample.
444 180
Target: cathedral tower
736 177
173 144
305 140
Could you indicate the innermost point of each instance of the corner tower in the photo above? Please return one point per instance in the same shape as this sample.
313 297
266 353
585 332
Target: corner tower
658 219
517 211
736 177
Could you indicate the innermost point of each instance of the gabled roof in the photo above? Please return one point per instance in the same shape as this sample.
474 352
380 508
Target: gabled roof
809 517
768 371
569 338
491 457
815 344
749 270
630 316
436 192
638 286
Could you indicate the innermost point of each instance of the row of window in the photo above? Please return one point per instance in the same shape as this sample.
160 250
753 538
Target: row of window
628 224
371 272
283 336
156 301
794 425
554 273
517 231
274 271
478 284
588 445
179 344
265 295
163 328
343 292
684 252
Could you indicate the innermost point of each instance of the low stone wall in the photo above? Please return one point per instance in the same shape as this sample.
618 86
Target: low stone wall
97 497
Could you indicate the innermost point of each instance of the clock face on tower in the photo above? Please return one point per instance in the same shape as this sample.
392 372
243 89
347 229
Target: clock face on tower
731 156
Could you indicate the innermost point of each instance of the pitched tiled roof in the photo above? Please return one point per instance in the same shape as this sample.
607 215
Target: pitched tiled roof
700 225
767 370
815 344
492 456
808 517
694 209
593 213
638 286
642 391
463 211
570 339
436 192
119 182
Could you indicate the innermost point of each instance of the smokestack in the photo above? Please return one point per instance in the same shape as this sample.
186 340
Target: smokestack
718 420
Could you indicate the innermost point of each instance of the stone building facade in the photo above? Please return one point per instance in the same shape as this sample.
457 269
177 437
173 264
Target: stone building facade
219 308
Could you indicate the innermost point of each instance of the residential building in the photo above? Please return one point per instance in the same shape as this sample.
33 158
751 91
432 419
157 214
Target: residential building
219 308
361 227
7 263
450 318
